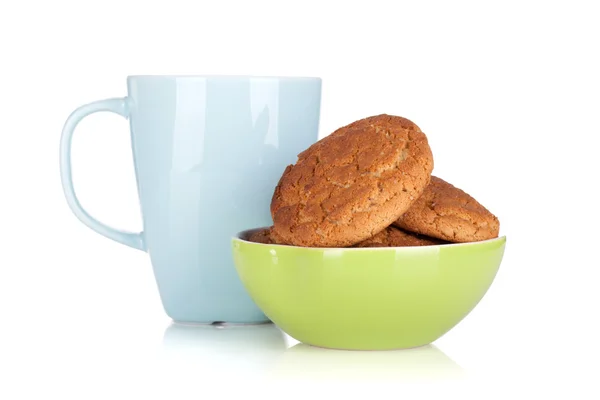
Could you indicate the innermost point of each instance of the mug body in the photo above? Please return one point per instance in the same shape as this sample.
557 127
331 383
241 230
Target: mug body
208 153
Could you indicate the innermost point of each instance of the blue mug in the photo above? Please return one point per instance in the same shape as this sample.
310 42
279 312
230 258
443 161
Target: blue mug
208 152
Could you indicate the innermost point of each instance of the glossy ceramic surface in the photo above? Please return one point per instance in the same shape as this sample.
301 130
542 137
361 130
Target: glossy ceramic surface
367 298
208 152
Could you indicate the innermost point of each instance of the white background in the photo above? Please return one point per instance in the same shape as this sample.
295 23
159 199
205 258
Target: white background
509 96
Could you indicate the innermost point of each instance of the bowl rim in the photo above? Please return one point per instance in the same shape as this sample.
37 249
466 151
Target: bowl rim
244 233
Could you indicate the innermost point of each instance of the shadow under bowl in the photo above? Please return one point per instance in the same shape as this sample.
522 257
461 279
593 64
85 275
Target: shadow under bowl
367 298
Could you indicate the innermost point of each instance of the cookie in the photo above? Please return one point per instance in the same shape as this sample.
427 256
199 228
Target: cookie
446 212
261 236
394 237
352 184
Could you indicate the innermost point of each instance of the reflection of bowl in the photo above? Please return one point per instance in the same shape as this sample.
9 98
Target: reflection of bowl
425 362
367 298
243 345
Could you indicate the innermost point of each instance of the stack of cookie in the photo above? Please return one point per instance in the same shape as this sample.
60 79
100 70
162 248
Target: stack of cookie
369 184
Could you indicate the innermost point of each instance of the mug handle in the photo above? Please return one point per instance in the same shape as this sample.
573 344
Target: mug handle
117 106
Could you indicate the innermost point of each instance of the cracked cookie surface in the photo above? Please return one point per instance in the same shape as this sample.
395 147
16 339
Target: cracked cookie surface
395 237
352 184
446 212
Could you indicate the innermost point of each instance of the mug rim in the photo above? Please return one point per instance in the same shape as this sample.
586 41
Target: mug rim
224 76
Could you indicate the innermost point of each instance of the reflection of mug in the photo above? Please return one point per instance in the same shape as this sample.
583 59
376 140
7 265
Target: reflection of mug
247 347
420 363
208 152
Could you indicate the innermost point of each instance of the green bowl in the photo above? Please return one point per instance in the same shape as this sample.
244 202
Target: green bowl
367 298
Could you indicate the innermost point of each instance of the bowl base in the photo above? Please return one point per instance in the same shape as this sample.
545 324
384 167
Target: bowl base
368 349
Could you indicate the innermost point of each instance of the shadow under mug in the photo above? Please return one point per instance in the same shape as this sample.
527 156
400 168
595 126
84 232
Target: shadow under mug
208 152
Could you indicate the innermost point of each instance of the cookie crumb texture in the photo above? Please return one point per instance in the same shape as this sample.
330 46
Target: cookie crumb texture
352 184
446 212
261 236
394 237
